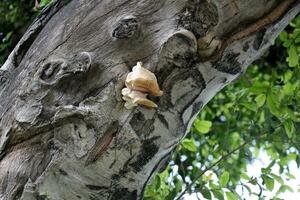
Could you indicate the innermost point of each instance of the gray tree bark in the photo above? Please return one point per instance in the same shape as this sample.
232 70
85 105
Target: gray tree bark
64 131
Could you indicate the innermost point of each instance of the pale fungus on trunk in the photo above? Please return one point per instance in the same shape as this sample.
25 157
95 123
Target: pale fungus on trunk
139 83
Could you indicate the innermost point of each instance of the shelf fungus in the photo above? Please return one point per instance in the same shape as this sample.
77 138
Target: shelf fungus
139 83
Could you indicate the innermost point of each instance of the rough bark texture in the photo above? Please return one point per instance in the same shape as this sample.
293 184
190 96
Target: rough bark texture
64 131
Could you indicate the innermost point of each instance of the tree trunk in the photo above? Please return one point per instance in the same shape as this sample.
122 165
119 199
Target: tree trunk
64 131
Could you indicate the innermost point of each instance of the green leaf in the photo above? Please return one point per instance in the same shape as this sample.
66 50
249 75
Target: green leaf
292 156
269 182
260 100
202 126
272 104
283 161
289 188
271 165
288 89
171 195
250 106
284 188
265 170
245 177
291 176
259 88
157 182
150 193
206 193
289 128
293 56
165 174
189 144
283 36
231 196
277 178
178 186
224 179
213 186
218 194
288 75
44 2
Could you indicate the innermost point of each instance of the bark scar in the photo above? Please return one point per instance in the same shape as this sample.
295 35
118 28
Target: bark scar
103 143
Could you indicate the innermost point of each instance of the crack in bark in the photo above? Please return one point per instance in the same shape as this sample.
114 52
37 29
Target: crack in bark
103 143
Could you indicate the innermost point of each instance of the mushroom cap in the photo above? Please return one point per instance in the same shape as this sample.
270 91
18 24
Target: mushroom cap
145 102
134 98
128 93
130 105
143 80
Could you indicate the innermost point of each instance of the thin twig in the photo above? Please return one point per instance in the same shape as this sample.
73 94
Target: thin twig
210 167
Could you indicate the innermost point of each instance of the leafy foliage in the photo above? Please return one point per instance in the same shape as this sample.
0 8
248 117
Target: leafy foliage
259 112
15 17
